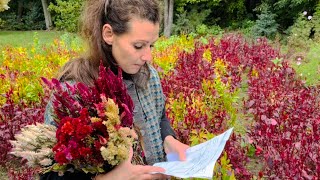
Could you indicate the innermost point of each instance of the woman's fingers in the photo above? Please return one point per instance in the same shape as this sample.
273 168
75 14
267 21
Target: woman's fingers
172 145
149 172
149 169
130 154
154 176
182 155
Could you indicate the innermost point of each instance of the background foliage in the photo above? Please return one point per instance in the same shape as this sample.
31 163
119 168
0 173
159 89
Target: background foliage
66 14
266 17
264 81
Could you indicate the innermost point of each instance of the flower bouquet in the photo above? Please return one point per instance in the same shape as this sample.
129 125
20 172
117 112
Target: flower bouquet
93 132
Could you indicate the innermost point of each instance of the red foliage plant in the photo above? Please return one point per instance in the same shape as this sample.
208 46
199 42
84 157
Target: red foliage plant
287 116
286 112
14 116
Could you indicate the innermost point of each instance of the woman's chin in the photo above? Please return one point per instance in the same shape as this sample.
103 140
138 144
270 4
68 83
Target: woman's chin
132 71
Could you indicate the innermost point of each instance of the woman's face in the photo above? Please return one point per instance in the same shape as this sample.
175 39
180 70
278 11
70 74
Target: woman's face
132 49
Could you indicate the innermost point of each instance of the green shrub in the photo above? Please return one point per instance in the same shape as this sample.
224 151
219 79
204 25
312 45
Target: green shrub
66 14
187 22
31 19
2 23
204 30
309 68
316 22
299 32
247 27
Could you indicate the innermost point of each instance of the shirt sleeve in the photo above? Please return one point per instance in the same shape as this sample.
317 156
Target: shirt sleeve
165 127
48 114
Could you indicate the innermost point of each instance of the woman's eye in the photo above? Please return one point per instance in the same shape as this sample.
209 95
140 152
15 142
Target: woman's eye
138 46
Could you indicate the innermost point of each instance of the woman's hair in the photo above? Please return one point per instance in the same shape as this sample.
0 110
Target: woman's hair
96 13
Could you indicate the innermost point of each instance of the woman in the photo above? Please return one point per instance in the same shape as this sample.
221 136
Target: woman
121 33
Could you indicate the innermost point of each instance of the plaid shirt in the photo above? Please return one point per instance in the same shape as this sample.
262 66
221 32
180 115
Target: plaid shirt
152 101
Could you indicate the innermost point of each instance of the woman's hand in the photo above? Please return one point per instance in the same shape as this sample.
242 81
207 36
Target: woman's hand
171 145
128 171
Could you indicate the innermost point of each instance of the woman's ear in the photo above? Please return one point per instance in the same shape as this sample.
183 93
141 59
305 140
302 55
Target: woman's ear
107 34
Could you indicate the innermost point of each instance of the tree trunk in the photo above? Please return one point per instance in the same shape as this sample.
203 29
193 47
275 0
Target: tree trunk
168 17
20 9
47 15
165 15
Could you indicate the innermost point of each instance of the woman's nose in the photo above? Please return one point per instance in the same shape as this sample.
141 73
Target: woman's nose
147 55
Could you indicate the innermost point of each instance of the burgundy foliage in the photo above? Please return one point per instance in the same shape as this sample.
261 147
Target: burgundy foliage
14 116
286 113
287 116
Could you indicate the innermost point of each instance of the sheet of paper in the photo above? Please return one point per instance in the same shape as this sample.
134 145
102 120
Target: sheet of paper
200 159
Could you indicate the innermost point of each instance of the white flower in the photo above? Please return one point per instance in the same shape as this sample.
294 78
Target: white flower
45 162
309 17
305 12
34 143
298 63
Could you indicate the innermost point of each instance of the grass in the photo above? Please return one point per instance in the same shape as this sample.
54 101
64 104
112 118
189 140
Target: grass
26 38
309 68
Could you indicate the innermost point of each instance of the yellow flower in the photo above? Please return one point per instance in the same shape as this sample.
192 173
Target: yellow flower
95 119
111 107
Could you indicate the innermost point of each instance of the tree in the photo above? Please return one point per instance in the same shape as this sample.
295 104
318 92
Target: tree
47 15
288 11
168 17
266 24
178 7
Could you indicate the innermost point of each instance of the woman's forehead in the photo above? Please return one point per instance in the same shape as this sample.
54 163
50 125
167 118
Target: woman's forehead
143 29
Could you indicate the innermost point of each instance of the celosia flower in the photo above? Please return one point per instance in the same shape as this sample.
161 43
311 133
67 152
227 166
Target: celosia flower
45 162
67 128
93 127
34 144
60 157
85 152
